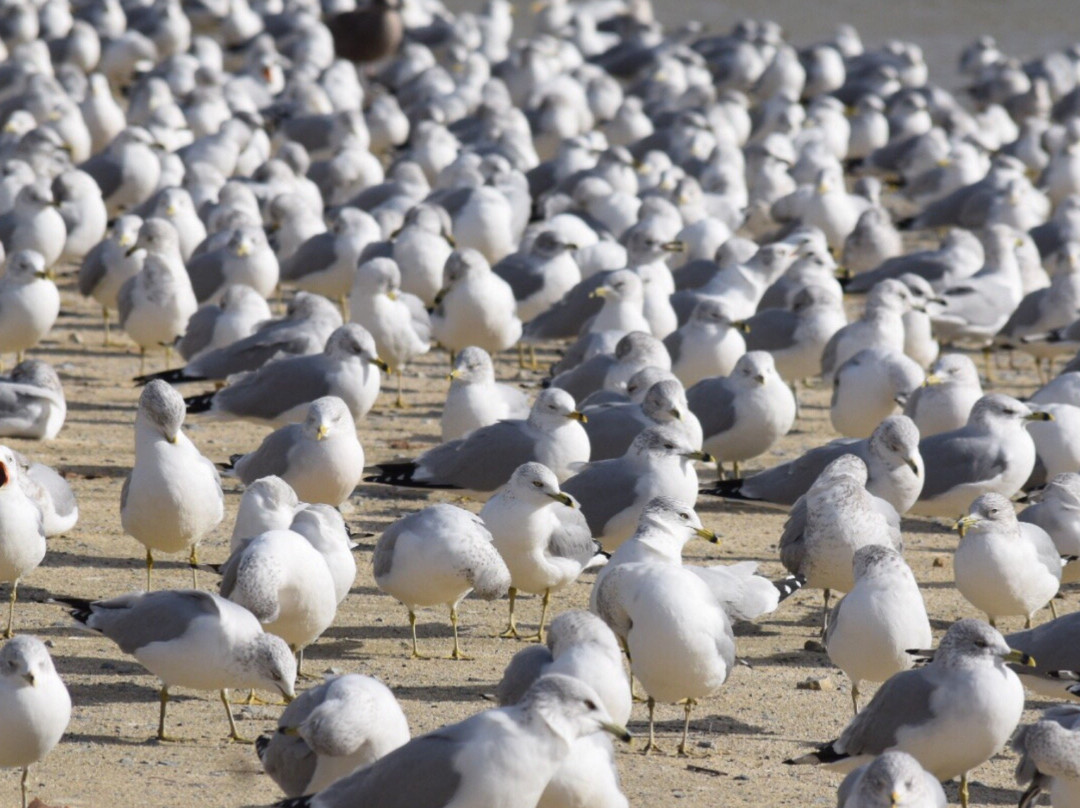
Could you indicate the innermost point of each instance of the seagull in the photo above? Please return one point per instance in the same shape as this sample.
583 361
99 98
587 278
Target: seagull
22 538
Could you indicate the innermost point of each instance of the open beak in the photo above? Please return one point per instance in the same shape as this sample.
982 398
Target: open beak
704 457
708 535
965 523
565 499
380 364
1039 416
578 416
1020 658
675 246
620 732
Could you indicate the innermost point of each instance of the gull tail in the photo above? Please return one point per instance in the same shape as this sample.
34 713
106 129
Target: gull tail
823 754
80 607
1028 798
199 403
400 473
261 743
789 586
174 376
728 489
230 464
296 802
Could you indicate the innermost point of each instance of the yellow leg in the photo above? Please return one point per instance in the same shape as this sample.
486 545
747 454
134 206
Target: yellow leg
142 361
456 653
105 320
168 357
532 358
1053 609
511 629
25 774
1027 622
400 403
988 361
964 790
149 568
19 357
539 635
412 625
651 745
687 708
344 303
735 469
193 561
11 611
164 699
233 734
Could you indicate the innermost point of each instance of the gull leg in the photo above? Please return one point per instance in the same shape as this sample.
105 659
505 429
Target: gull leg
991 621
539 635
8 634
453 356
1027 622
532 357
19 357
149 567
651 745
412 625
794 385
825 613
521 356
22 783
344 303
164 698
855 696
233 734
687 707
989 363
105 320
964 790
400 402
511 631
168 357
734 469
142 360
1053 609
456 653
193 561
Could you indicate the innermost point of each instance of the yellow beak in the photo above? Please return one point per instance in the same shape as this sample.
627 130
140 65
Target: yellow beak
565 499
578 416
600 291
1020 658
322 432
931 380
965 523
707 534
1039 416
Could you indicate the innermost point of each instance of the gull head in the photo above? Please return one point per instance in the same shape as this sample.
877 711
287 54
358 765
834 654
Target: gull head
270 665
896 442
667 440
472 365
552 406
675 518
970 640
162 408
538 483
327 417
568 708
990 511
25 661
353 340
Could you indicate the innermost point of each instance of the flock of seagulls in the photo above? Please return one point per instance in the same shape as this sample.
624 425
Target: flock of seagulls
695 228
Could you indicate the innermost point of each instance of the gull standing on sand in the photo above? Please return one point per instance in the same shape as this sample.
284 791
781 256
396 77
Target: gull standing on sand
29 303
155 305
540 534
1049 753
868 387
965 692
474 307
579 645
22 538
398 322
500 757
190 638
1057 511
613 493
475 399
744 414
612 426
944 400
35 706
172 498
321 459
894 779
32 402
835 518
992 452
109 264
330 731
874 625
486 458
437 556
281 391
1002 566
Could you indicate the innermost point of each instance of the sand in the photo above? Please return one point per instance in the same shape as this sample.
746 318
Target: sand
108 758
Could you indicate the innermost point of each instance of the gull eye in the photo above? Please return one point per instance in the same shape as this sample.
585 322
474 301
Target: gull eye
538 484
981 644
685 517
590 704
669 445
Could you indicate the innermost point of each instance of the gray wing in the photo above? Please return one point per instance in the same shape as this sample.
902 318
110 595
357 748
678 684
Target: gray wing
572 539
565 318
251 353
93 269
1055 646
785 483
16 400
421 320
125 300
792 540
231 568
207 273
288 760
105 171
383 557
612 428
927 264
314 255
520 272
952 459
828 355
525 667
902 701
1027 314
1045 549
673 343
275 388
137 620
771 330
124 491
420 773
483 460
8 222
585 378
713 402
63 498
851 781
271 457
604 489
199 331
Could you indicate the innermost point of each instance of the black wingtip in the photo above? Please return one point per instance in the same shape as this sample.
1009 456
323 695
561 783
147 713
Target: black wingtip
261 743
400 474
295 802
80 607
906 224
789 586
174 376
199 403
823 754
728 489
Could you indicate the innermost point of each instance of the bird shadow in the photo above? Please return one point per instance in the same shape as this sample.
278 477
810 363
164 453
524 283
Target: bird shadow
700 726
90 472
430 693
91 406
980 794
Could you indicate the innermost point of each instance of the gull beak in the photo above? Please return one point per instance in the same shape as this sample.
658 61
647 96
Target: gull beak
322 432
392 294
759 378
674 246
704 457
565 499
1039 416
675 413
894 799
931 380
620 732
944 162
742 325
453 374
911 464
450 239
578 416
172 438
706 534
441 294
600 291
965 523
170 211
41 275
1020 658
380 364
29 677
243 250
823 189
131 250
842 273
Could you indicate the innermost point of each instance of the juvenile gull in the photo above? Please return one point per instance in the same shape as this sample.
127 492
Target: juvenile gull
321 459
171 499
189 638
330 731
32 401
35 706
1002 566
437 556
505 756
966 691
475 399
280 392
614 492
486 458
992 452
874 625
944 400
894 779
540 534
1049 753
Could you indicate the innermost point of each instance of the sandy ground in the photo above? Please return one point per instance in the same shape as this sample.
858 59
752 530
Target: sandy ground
108 757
